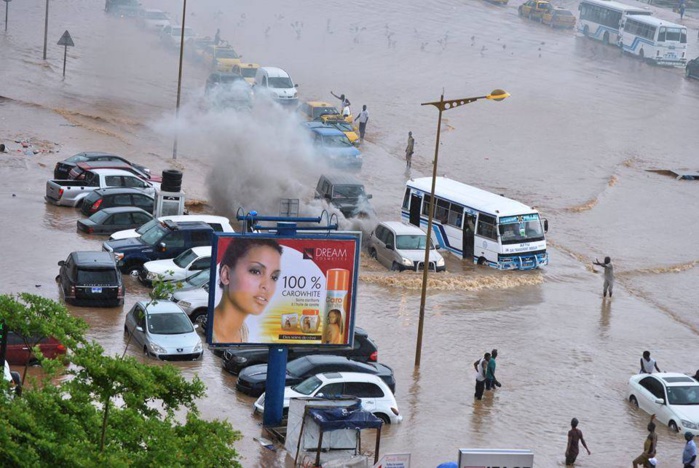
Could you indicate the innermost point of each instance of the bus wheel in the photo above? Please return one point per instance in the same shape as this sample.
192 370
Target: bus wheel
605 39
586 31
481 260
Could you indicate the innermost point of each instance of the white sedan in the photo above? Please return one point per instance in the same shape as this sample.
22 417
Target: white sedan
672 397
176 269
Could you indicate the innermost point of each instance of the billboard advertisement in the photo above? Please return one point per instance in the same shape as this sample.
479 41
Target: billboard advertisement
268 289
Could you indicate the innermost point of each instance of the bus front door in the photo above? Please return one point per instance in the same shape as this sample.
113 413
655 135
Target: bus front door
469 231
415 207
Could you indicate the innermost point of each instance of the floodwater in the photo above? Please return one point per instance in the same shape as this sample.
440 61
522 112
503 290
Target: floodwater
574 140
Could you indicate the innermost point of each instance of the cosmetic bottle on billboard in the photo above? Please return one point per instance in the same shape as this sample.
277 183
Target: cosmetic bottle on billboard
335 306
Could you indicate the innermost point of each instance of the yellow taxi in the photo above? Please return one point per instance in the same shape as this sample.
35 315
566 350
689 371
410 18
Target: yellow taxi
220 58
534 9
313 110
559 18
347 128
247 71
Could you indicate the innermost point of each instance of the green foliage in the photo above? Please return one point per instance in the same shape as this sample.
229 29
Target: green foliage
163 289
106 411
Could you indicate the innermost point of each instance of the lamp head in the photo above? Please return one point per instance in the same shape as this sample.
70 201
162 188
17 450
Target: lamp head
498 95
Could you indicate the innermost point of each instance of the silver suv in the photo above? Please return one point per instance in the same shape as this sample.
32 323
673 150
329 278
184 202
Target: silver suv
401 247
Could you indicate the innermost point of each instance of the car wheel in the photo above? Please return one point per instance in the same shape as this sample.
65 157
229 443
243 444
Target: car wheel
34 362
481 260
633 401
673 426
134 269
372 252
145 350
199 318
383 417
605 39
395 267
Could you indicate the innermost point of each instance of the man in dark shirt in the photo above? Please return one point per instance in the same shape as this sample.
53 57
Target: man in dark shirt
575 436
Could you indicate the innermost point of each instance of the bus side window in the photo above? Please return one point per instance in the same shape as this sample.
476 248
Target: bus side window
406 199
486 227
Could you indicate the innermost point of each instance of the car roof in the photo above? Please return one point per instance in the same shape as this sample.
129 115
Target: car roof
186 225
248 65
319 104
274 72
401 228
342 179
94 258
202 251
350 377
113 172
675 379
124 209
160 307
196 217
120 191
326 131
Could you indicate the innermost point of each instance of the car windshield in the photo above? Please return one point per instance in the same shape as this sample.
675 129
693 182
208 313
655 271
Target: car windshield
280 82
336 141
147 226
156 15
98 217
308 386
318 111
226 53
169 324
411 242
299 367
248 72
685 395
153 236
96 276
519 229
77 158
185 258
348 191
343 126
198 279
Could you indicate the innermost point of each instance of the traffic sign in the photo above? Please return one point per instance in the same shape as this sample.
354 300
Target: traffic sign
66 40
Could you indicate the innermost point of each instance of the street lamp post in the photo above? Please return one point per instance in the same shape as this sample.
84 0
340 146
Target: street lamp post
442 105
179 79
46 27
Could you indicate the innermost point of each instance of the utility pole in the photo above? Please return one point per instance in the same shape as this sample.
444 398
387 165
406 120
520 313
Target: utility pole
46 27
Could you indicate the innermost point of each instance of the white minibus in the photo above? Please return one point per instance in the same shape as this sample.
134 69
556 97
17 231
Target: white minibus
657 41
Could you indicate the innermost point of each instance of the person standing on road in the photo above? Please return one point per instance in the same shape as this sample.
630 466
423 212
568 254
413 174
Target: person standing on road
608 275
681 9
409 151
575 436
649 447
689 456
481 365
363 118
344 101
490 380
217 37
648 364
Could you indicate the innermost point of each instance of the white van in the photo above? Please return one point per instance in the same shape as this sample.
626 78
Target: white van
401 247
218 224
278 83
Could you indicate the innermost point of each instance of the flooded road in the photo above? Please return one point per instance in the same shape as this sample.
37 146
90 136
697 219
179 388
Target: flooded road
575 140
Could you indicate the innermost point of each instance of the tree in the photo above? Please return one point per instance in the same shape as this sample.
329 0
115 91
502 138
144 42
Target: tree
108 411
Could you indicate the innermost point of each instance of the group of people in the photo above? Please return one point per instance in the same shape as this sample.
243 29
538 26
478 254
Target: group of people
485 374
362 118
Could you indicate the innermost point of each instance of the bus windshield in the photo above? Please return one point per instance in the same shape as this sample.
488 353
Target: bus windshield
520 229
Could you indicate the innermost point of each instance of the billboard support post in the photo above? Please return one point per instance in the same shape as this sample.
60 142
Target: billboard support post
276 381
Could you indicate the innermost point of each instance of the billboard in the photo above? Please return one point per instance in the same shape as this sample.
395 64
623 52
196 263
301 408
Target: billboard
496 458
268 289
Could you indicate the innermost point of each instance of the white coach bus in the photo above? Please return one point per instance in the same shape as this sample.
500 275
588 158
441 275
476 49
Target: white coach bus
601 19
657 41
477 225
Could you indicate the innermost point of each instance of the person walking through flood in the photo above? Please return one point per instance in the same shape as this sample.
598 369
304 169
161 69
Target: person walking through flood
575 436
608 275
363 118
481 365
490 381
689 455
409 151
649 447
648 364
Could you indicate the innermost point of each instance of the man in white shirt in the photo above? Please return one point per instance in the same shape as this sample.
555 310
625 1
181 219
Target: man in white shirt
481 366
648 364
363 118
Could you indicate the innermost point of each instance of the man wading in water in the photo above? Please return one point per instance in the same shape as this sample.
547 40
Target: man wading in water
608 275
575 436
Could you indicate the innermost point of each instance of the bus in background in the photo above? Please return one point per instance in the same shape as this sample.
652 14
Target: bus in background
477 225
601 19
655 40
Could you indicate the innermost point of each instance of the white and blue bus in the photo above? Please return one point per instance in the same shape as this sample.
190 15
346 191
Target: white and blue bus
477 225
657 41
601 19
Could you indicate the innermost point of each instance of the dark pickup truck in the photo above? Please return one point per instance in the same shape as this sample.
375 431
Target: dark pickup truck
364 350
164 240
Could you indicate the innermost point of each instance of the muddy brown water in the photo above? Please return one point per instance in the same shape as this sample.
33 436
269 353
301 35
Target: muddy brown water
575 139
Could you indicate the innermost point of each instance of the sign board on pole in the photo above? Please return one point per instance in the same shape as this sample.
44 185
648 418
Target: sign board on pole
487 458
275 290
394 460
66 40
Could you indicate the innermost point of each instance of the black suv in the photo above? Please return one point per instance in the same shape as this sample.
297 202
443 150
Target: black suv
91 278
364 350
114 197
346 193
166 239
692 69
